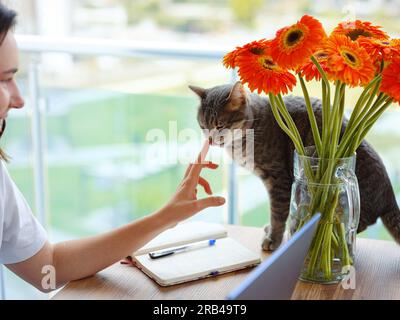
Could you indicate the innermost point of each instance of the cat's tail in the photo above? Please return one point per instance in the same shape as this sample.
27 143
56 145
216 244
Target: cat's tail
391 220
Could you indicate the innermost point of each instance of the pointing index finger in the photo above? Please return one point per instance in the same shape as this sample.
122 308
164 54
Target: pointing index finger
203 153
197 166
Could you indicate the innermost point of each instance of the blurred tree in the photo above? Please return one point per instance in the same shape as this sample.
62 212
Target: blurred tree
245 11
138 9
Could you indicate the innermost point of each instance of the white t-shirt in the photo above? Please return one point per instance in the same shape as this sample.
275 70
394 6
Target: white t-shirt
21 235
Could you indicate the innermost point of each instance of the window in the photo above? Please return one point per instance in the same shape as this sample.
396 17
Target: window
97 109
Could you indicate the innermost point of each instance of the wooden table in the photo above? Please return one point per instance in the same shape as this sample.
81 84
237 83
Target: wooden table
377 277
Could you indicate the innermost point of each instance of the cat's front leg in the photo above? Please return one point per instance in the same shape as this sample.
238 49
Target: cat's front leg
279 192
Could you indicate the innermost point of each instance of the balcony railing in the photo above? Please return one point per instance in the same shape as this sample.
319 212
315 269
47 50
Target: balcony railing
99 47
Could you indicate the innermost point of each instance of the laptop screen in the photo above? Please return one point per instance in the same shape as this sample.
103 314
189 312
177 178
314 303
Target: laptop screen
276 277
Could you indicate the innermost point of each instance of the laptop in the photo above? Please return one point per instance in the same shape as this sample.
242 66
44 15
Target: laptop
276 277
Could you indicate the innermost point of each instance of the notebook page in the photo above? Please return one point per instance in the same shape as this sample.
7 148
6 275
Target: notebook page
184 233
226 255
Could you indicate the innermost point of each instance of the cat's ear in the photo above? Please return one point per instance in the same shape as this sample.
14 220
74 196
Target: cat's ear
199 91
237 97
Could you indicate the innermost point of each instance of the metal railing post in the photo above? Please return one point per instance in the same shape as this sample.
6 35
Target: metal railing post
37 142
2 284
233 212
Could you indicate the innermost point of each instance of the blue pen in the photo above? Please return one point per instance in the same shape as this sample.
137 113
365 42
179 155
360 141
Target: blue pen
168 252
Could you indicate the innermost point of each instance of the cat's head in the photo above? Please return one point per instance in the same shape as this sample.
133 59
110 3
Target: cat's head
222 107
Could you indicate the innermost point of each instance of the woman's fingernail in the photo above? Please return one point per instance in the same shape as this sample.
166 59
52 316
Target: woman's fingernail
221 200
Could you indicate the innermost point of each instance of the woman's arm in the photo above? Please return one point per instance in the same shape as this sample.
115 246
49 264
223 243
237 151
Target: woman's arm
81 258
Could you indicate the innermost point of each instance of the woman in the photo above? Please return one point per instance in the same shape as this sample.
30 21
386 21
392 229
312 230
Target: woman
24 247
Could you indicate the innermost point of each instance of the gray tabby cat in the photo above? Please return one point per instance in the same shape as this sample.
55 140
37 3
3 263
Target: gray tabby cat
230 107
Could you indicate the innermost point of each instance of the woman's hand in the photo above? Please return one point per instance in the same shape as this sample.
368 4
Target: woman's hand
77 259
184 202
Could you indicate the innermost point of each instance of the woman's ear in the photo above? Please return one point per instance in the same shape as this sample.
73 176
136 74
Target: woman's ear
237 97
199 91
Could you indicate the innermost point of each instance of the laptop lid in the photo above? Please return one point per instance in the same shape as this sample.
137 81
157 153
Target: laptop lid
276 277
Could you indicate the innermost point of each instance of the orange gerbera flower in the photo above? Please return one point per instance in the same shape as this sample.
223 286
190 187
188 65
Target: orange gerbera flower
380 49
348 61
295 44
309 71
391 80
355 29
395 43
261 73
229 59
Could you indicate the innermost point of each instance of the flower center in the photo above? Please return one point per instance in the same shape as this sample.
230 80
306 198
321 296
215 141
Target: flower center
354 34
321 55
350 58
257 50
293 37
268 63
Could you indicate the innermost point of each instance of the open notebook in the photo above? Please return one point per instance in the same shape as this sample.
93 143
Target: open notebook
225 255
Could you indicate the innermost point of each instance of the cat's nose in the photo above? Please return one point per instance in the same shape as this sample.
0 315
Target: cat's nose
210 140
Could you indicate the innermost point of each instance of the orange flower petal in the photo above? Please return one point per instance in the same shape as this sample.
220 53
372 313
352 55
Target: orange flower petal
261 73
229 60
309 70
380 49
391 80
355 29
348 61
295 44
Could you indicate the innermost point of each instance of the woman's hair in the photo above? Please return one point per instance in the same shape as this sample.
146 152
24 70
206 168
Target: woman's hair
7 22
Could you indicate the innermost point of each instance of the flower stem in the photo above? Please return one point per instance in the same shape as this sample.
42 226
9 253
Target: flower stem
277 114
361 101
347 138
345 249
311 116
289 120
368 125
326 102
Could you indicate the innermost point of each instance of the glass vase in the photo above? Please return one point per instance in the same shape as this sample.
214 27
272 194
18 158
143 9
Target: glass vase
332 249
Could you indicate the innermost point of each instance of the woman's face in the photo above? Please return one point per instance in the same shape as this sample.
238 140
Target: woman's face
9 93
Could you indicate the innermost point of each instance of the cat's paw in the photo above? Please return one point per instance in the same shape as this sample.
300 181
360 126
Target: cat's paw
269 242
